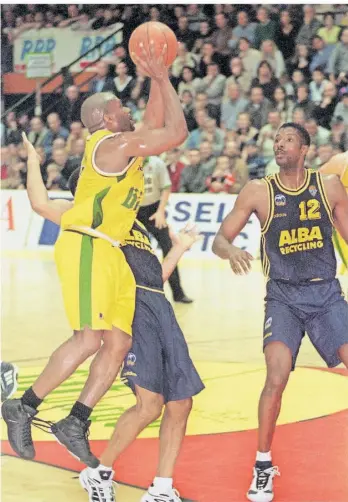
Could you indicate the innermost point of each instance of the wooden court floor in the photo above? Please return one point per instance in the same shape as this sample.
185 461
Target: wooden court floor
224 332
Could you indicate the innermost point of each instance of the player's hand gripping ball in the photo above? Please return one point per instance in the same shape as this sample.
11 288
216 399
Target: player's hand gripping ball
157 36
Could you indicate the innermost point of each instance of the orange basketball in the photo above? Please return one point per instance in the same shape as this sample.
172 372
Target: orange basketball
158 32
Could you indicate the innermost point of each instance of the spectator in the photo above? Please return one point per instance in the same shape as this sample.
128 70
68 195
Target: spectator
83 22
75 157
256 164
102 82
299 116
123 83
55 131
243 29
267 135
245 131
237 167
155 14
195 137
317 86
214 135
70 106
184 58
338 63
258 107
208 161
325 152
266 29
319 135
195 17
209 56
55 178
325 110
266 80
309 27
139 112
175 167
283 103
231 108
77 132
238 76
189 81
222 34
297 79
285 35
329 32
341 109
203 36
201 103
300 61
23 123
339 133
250 58
321 54
189 111
43 161
193 179
184 35
271 54
141 87
302 100
213 85
37 131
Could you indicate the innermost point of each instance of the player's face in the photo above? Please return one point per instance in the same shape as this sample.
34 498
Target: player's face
288 148
118 118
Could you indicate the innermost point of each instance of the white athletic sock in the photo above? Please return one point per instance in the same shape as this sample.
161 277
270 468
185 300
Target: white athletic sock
263 457
163 485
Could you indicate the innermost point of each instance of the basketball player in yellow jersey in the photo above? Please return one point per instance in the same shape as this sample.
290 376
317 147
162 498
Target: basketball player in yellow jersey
97 283
339 165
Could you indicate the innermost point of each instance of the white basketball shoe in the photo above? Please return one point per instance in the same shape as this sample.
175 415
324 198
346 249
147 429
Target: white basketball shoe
261 489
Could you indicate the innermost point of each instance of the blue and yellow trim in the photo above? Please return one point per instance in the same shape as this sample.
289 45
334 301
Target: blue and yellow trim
270 214
324 196
293 191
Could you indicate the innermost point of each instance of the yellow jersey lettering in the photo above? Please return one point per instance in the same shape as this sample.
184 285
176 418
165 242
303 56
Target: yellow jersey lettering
300 239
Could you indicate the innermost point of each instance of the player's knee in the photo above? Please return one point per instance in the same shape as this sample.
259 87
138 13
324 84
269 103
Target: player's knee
276 383
118 342
150 407
180 409
89 341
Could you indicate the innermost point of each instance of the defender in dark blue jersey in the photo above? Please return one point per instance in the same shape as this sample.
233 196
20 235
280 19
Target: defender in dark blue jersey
297 209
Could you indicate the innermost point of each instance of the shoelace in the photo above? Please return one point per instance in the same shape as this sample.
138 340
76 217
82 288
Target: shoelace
264 475
43 425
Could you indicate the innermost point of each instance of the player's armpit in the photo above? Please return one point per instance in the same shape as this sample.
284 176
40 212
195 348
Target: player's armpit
53 210
147 142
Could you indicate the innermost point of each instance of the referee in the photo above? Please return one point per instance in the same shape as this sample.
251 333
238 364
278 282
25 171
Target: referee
152 215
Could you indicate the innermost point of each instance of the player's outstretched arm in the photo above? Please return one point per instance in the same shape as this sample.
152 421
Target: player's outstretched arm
231 227
182 241
37 192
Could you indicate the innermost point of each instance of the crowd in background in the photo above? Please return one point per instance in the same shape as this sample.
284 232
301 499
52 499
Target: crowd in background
241 71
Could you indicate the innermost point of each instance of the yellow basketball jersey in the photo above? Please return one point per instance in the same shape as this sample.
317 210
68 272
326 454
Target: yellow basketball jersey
338 164
106 202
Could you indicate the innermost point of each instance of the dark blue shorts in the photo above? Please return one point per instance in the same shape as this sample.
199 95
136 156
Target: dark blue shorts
159 359
318 309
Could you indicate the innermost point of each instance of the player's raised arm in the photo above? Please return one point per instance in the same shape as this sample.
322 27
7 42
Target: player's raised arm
37 192
234 222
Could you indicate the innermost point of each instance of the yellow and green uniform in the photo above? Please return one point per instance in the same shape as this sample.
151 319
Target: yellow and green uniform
98 285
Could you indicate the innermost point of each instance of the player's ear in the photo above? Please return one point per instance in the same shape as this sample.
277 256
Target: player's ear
304 149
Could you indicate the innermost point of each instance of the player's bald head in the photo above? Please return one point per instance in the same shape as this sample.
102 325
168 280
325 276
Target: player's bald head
94 108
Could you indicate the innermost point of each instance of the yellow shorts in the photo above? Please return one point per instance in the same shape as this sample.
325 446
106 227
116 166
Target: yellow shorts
342 249
97 283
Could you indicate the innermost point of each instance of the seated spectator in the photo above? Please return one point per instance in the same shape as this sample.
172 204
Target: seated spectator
299 116
339 133
73 16
208 56
302 100
102 82
317 86
175 167
222 34
213 85
184 58
188 82
286 34
83 22
123 83
286 83
266 80
319 135
266 29
189 111
193 179
300 61
297 79
231 108
321 54
341 109
203 36
37 131
245 131
195 137
250 58
282 103
184 35
258 107
141 87
325 152
195 17
77 131
13 133
243 29
55 178
43 161
221 180
329 32
309 27
255 162
267 134
70 106
23 123
20 166
213 135
201 103
311 160
55 131
208 161
325 110
338 62
238 76
271 54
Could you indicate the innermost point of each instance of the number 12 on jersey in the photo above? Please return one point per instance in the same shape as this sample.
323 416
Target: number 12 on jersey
309 210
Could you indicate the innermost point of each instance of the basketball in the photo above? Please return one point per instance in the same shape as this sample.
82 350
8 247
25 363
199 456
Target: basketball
158 32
